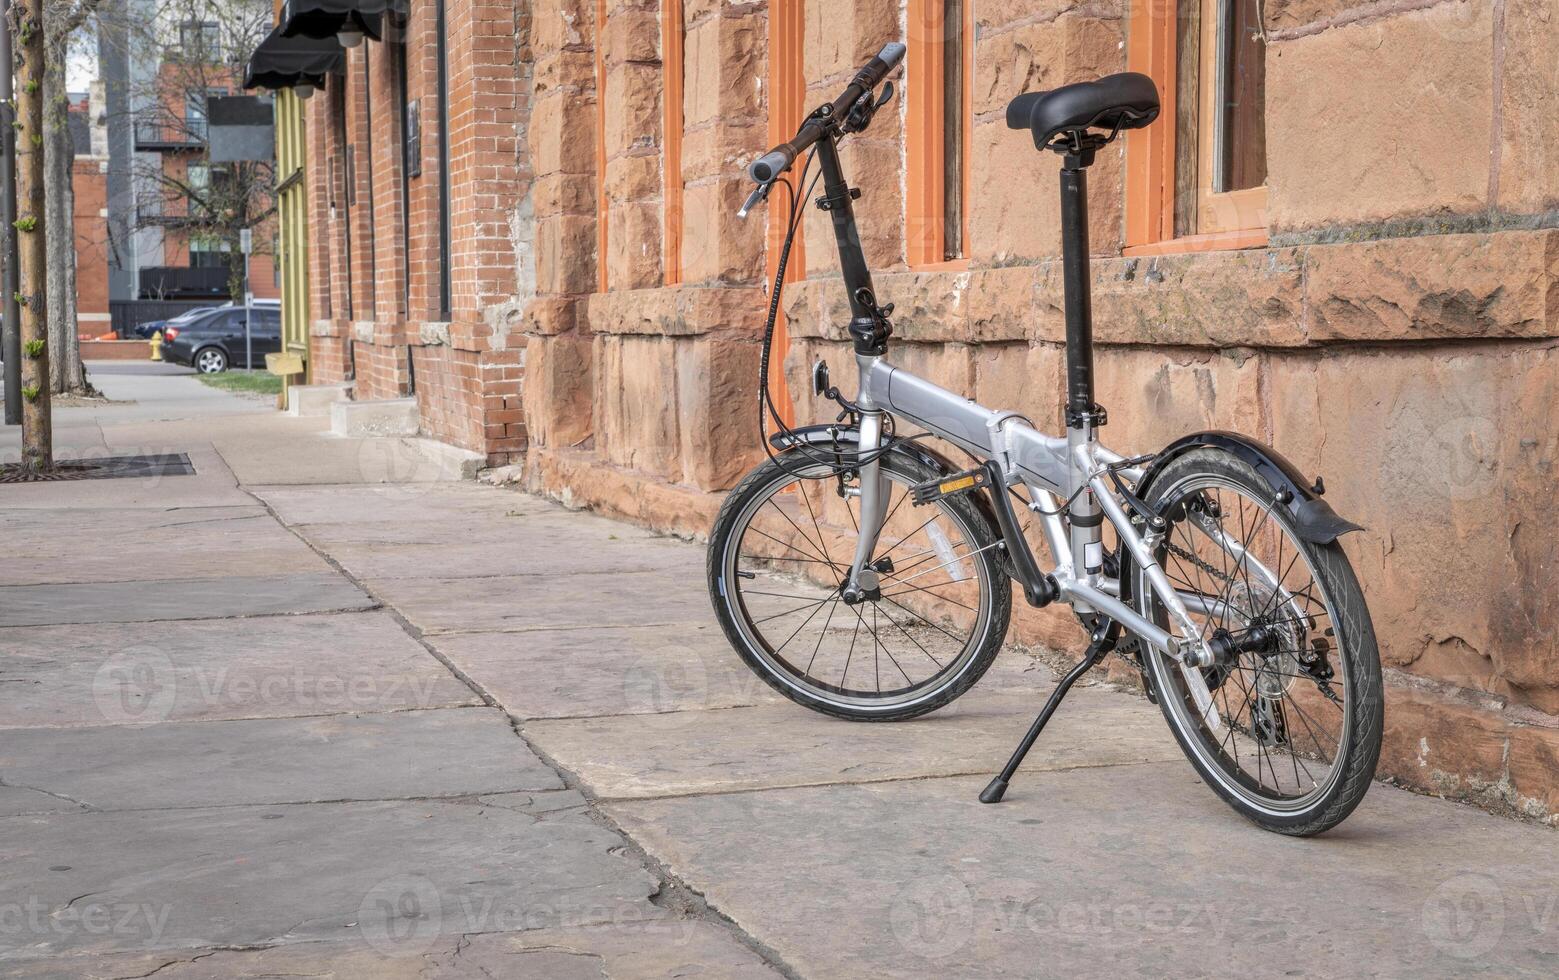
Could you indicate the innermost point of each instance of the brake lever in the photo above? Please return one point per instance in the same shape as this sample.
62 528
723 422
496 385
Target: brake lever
758 196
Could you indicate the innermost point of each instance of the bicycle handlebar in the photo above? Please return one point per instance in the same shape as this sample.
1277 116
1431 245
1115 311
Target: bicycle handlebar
778 160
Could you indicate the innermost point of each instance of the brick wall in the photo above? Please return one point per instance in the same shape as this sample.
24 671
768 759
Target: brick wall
1396 334
375 262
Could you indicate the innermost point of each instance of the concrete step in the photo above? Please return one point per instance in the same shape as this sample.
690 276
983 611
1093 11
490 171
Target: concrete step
312 400
384 417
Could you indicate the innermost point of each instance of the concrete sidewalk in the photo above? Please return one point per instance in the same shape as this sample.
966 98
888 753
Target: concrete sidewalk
315 710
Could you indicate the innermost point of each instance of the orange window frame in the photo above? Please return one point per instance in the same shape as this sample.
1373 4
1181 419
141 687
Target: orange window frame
673 46
1152 39
925 197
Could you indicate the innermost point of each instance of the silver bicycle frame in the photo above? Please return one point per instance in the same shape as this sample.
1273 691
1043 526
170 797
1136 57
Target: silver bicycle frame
1052 468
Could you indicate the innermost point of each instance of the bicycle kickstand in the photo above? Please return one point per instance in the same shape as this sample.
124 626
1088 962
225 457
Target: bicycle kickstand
1101 642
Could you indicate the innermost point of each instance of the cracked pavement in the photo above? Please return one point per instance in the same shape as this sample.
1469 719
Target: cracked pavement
320 711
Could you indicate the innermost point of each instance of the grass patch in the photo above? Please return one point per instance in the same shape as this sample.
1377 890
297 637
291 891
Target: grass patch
245 382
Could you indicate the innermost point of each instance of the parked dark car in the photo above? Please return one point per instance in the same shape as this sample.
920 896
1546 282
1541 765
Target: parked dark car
145 330
214 341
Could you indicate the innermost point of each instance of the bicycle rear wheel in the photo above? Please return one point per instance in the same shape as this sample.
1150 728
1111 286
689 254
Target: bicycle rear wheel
1286 726
778 557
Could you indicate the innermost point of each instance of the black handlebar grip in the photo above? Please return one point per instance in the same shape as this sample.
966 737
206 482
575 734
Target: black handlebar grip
877 69
771 164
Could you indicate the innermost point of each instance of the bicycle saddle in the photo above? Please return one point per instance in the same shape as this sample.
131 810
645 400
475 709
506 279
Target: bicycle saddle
1115 102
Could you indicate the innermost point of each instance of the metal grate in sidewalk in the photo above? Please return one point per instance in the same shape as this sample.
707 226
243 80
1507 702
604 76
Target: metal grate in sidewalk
107 468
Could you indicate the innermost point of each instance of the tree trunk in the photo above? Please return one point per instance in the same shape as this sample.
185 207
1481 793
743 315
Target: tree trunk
32 233
66 373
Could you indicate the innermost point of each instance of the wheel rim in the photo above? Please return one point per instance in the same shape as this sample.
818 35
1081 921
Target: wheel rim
1282 728
209 362
784 561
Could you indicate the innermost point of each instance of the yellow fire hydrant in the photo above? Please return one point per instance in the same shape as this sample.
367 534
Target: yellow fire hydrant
157 346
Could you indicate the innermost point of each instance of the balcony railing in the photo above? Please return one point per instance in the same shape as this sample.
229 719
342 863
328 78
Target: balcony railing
183 282
154 136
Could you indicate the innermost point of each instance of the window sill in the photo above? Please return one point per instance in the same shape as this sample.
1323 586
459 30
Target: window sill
1217 241
950 265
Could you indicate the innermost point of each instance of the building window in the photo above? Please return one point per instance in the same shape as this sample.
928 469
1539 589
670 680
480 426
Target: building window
602 205
938 118
1200 181
201 40
444 298
673 48
414 138
207 252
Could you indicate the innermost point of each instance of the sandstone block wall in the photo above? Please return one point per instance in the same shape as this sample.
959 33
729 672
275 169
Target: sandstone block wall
1397 334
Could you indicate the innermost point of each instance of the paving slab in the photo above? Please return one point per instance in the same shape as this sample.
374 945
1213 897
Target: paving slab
1135 870
203 543
173 599
141 673
607 671
19 799
507 547
377 504
650 949
522 602
395 876
392 755
773 745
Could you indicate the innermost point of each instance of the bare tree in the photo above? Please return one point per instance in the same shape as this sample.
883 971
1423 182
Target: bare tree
63 20
28 47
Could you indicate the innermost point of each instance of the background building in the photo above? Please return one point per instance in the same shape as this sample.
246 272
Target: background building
1340 237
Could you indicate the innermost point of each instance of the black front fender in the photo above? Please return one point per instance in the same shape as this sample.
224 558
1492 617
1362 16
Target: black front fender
827 434
1313 517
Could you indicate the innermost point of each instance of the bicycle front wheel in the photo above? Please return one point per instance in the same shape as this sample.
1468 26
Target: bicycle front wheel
779 556
1286 726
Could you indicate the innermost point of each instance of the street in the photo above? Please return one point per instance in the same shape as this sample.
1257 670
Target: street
323 708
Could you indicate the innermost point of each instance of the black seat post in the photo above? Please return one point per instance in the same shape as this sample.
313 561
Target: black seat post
1076 289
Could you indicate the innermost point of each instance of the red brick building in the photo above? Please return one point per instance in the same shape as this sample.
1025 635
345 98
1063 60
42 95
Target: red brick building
524 214
89 181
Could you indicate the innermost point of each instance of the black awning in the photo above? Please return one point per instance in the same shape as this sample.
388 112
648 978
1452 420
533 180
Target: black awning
282 62
326 18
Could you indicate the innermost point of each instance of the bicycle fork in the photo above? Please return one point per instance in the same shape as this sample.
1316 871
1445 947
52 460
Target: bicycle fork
862 582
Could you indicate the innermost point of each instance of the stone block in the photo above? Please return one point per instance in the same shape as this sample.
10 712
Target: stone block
380 417
1017 216
726 69
633 120
560 25
1155 395
313 400
717 394
634 234
1448 461
635 404
1426 75
678 312
1211 299
1534 770
559 142
717 246
1018 377
566 254
1434 286
1043 55
557 391
632 36
634 178
563 193
1529 127
1441 747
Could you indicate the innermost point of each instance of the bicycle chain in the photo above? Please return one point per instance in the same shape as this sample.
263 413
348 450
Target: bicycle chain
1180 552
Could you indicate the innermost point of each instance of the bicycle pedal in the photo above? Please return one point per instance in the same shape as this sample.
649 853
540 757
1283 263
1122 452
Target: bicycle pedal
947 486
